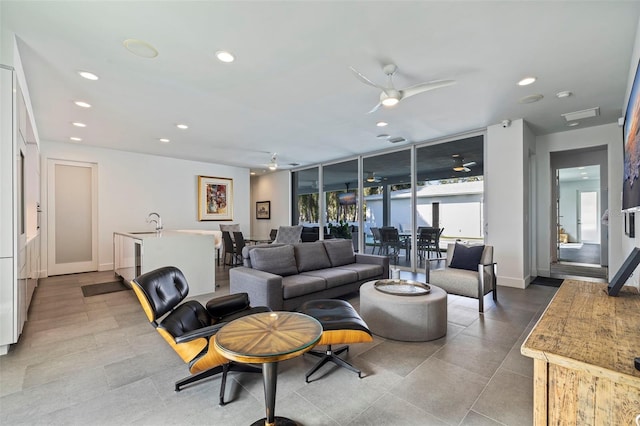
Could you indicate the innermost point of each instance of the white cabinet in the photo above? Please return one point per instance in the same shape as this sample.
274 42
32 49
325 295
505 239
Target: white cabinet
19 199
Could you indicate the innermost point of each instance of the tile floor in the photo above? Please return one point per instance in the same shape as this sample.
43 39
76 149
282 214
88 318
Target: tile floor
97 361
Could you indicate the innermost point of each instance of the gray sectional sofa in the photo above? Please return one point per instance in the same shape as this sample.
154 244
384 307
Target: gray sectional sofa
283 276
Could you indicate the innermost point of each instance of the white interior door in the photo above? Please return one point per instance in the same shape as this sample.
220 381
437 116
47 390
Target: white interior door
72 220
588 224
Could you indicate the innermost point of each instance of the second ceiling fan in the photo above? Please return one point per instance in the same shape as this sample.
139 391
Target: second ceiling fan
390 96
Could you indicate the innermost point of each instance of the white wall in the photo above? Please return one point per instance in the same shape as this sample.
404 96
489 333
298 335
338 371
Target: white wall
130 186
569 202
609 135
276 188
507 220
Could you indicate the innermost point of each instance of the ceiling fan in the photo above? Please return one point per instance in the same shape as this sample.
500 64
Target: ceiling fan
460 166
390 96
371 177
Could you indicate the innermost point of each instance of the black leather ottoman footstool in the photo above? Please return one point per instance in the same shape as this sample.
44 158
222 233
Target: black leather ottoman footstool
341 324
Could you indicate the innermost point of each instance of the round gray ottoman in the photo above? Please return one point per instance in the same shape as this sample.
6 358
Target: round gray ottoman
406 318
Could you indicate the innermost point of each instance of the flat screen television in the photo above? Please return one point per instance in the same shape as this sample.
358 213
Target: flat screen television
630 264
631 140
347 198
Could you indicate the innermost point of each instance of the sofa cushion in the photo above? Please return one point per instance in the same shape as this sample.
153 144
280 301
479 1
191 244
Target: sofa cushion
364 270
299 285
334 277
340 251
311 256
276 260
466 257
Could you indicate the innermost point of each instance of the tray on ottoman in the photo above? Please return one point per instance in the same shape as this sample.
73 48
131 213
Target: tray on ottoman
402 287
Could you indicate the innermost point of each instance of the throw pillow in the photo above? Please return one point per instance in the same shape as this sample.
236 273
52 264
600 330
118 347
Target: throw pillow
466 257
311 256
340 251
275 260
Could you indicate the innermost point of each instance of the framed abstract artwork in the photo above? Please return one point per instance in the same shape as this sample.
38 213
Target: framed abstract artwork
215 198
263 210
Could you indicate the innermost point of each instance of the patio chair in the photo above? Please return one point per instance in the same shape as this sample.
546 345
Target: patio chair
390 243
375 231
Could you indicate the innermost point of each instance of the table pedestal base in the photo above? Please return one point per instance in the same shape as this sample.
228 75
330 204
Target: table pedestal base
280 421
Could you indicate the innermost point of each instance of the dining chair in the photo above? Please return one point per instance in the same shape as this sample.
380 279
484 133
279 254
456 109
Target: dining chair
229 249
289 234
239 245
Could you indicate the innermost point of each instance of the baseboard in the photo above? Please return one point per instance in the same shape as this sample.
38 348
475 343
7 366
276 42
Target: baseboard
105 267
511 282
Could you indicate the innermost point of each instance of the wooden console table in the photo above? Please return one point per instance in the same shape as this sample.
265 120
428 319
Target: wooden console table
583 349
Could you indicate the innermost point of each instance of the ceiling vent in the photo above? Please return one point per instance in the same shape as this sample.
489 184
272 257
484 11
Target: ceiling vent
579 115
397 140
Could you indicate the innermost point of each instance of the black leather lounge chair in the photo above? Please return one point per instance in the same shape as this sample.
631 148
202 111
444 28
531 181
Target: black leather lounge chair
190 328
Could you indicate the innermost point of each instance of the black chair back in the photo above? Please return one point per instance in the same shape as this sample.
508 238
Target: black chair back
240 243
164 289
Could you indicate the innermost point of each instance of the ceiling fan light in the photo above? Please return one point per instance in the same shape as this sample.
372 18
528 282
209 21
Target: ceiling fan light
390 101
459 168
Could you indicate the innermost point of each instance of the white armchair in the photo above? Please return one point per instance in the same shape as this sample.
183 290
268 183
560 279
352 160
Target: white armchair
477 277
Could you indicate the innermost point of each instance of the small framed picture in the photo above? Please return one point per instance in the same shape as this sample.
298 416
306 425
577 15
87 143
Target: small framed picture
215 198
263 210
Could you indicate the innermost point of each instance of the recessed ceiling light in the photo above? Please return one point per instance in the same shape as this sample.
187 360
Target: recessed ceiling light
78 124
88 75
530 99
165 140
140 48
75 139
382 123
573 124
224 56
526 81
564 94
83 104
182 126
585 177
583 173
252 173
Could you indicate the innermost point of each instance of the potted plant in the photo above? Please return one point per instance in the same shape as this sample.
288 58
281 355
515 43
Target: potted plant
341 230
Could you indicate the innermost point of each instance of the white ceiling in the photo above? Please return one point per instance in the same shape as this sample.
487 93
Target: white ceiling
579 173
290 90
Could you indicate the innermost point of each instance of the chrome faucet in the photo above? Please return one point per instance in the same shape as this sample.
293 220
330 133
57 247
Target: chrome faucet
157 220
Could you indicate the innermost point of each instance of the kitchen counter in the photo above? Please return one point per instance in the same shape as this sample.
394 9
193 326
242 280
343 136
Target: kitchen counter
192 251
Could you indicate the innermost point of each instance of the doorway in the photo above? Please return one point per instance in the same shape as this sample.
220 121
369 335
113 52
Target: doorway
72 225
579 240
578 204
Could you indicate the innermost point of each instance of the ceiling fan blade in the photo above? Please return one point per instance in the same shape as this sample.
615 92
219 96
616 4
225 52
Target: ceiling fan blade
466 170
375 108
424 87
469 164
364 79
